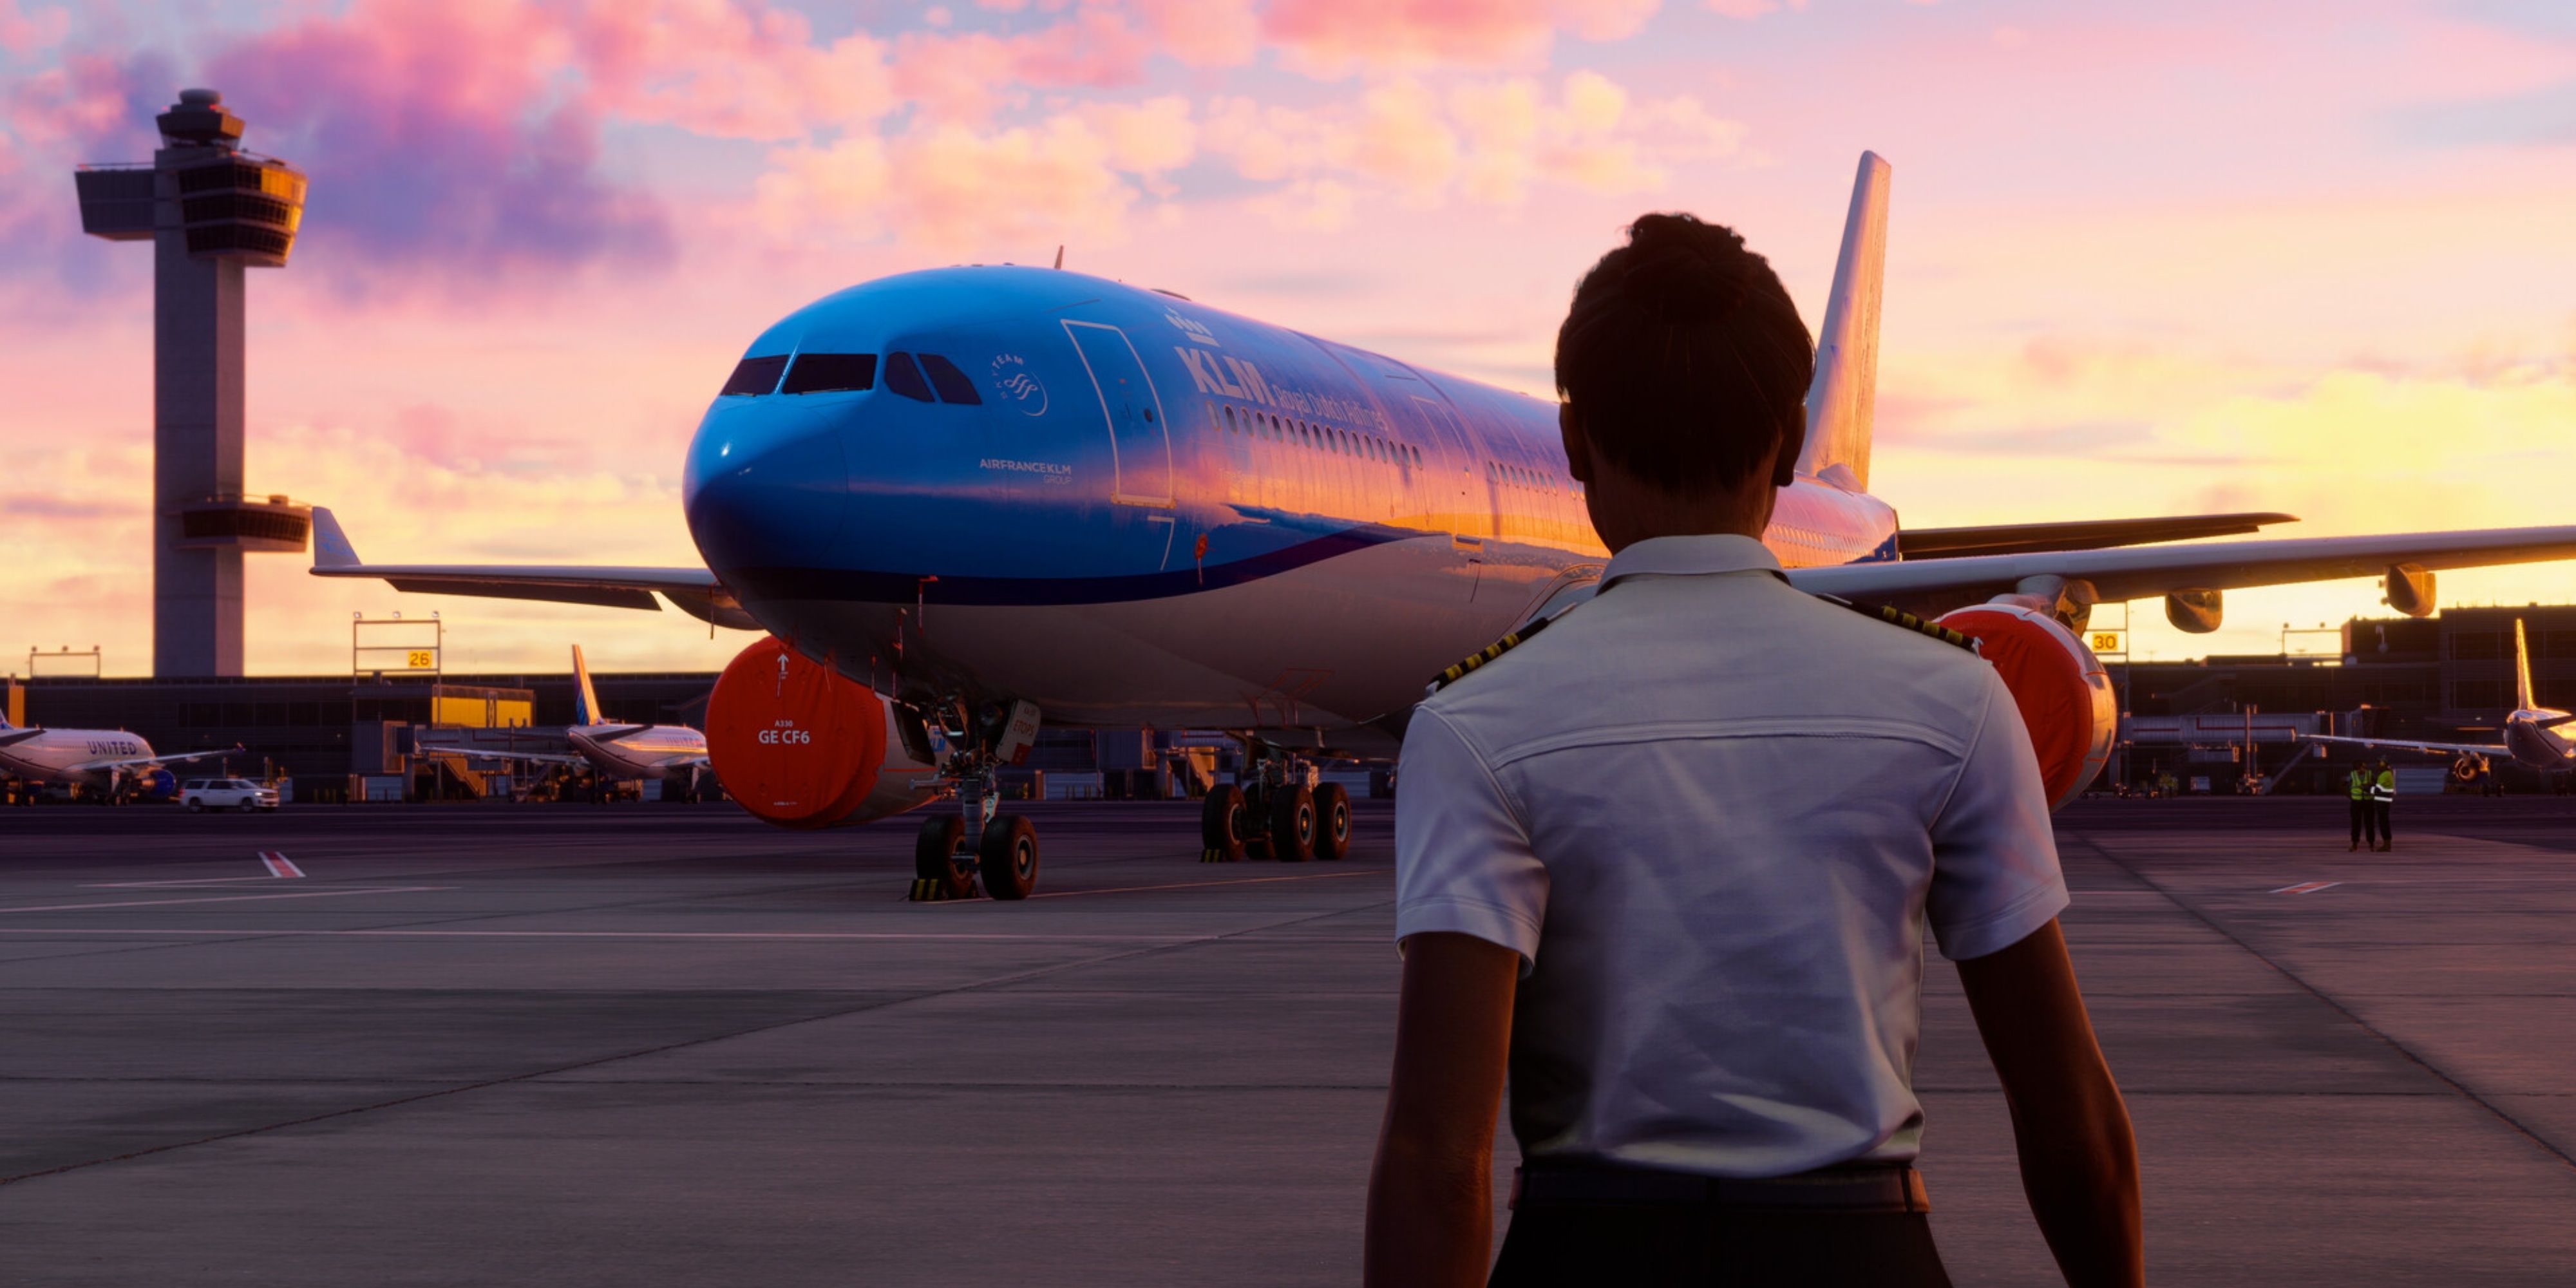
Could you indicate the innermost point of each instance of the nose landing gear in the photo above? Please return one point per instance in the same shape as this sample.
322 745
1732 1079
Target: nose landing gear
953 851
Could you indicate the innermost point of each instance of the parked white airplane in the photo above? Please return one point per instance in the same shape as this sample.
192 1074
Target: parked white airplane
961 497
616 749
113 761
2531 733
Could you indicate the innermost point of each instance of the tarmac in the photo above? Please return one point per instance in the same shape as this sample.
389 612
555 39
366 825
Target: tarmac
661 1044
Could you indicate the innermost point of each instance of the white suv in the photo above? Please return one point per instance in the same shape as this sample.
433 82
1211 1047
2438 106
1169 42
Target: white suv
201 794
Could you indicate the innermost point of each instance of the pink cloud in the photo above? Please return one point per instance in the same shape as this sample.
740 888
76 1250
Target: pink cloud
22 32
968 75
1334 37
724 69
1011 193
441 135
1489 141
84 102
1751 9
1203 33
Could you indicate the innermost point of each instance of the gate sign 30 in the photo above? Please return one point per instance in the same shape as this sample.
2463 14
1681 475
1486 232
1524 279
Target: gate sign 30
2106 641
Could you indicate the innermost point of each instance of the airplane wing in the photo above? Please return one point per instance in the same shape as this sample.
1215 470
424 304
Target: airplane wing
491 753
694 591
1935 585
2474 748
128 762
2091 534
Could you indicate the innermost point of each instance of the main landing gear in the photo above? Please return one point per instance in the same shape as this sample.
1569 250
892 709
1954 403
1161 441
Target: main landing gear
1275 809
955 851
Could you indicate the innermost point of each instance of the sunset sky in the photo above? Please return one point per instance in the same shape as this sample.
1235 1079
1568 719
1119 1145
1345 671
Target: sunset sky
2143 259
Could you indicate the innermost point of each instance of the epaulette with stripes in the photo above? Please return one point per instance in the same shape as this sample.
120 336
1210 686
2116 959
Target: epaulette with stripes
1486 654
1898 617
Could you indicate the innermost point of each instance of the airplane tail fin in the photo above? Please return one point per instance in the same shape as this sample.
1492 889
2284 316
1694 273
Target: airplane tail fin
1845 387
585 699
2522 668
331 548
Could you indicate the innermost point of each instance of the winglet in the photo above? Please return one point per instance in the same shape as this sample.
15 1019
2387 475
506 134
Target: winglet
2522 669
331 548
585 698
1845 387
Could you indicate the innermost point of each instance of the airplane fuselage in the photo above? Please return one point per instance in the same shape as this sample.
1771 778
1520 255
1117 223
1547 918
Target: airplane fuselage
631 751
1129 508
2535 743
55 755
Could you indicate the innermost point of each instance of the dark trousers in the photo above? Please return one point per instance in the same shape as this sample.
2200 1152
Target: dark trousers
2379 814
1649 1245
2366 822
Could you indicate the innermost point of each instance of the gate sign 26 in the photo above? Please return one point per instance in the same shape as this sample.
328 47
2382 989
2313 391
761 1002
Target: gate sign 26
419 659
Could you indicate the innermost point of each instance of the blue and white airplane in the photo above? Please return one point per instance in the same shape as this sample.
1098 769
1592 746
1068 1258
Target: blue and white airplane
980 494
617 749
2534 736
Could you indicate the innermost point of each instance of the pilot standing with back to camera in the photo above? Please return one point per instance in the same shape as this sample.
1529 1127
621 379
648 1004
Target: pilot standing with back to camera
1670 862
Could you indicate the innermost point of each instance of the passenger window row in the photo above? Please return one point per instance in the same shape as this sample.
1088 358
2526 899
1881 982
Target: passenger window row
1324 438
820 373
1504 472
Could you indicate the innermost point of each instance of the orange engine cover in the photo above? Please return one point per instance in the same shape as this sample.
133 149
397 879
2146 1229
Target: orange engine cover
2065 697
794 742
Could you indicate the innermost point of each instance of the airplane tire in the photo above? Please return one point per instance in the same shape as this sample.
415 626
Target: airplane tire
1010 857
1223 821
1332 822
1292 824
937 856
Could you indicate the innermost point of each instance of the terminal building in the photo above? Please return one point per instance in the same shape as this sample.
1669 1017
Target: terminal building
343 737
2218 722
2446 678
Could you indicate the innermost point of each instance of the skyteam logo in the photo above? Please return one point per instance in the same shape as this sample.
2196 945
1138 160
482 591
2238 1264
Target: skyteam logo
1011 377
1192 327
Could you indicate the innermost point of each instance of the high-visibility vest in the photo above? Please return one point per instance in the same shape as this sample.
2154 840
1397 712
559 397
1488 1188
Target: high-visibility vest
2386 788
2360 785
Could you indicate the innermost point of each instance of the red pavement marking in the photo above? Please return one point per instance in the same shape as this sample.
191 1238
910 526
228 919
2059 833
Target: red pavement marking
279 865
2308 887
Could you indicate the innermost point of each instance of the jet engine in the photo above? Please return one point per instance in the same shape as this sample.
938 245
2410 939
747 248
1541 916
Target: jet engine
799 745
154 784
2064 695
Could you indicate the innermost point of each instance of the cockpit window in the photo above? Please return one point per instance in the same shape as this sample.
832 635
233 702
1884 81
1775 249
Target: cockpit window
819 373
904 378
754 376
952 384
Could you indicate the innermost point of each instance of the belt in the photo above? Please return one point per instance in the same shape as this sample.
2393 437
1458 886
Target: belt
1858 1188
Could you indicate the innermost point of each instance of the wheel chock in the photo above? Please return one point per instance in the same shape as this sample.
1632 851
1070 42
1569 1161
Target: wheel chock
933 890
1213 855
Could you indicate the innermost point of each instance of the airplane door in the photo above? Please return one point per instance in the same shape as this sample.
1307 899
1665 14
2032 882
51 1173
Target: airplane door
1140 448
1455 476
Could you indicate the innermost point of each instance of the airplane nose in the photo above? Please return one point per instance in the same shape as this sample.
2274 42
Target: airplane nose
766 487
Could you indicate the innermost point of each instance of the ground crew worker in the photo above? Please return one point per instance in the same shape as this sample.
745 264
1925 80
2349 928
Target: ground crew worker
1670 863
2383 795
2365 821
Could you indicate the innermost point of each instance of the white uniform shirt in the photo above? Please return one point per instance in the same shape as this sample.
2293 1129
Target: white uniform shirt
1712 813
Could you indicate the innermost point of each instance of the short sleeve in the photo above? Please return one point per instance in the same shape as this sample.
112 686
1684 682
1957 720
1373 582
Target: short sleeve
1462 861
1995 877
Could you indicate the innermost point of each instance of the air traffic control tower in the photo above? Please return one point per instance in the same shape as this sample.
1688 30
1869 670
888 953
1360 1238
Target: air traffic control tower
210 211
